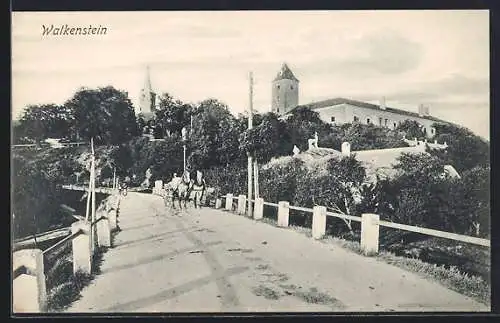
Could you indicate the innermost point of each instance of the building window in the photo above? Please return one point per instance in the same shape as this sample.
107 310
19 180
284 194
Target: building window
367 120
278 87
379 121
356 119
432 130
385 122
291 87
333 119
425 131
395 125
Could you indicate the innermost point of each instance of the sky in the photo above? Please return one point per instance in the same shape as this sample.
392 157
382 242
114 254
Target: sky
436 58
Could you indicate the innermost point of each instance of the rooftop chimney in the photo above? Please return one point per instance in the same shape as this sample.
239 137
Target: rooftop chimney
421 110
382 103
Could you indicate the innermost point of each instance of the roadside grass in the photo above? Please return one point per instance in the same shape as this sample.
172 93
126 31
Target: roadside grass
472 286
65 287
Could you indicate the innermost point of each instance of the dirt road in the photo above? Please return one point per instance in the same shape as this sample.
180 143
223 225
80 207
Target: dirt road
214 261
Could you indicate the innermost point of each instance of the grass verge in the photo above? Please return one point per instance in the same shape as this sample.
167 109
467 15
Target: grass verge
65 287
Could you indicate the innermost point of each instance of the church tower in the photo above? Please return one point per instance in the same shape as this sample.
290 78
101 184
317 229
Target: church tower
285 91
147 98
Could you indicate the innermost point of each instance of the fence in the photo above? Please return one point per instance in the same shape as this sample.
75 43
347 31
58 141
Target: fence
29 284
47 145
370 223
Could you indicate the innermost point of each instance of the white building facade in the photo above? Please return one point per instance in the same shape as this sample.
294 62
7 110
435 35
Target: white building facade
339 111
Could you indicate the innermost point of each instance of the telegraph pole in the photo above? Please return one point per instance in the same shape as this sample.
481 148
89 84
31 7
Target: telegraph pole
250 163
93 230
184 138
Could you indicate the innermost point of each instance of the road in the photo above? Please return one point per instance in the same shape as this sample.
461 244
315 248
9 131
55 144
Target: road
214 261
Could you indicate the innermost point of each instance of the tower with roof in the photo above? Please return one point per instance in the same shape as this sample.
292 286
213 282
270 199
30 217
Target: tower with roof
147 98
285 91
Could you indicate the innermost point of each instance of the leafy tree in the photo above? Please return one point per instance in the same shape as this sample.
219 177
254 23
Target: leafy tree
172 114
105 114
214 137
302 124
337 189
365 137
46 121
412 129
141 124
268 139
465 150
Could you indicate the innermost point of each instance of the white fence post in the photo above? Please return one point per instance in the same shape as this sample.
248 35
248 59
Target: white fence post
82 252
29 290
369 233
283 213
218 203
229 202
258 208
319 222
242 201
103 233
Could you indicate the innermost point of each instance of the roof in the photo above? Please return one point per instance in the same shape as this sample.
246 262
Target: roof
285 73
338 101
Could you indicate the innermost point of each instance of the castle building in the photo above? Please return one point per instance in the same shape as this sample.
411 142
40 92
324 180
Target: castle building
337 111
147 99
285 91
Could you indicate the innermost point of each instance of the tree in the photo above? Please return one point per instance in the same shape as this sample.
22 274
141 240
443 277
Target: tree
105 114
46 121
214 137
465 150
172 114
365 137
268 139
141 124
337 189
412 129
302 124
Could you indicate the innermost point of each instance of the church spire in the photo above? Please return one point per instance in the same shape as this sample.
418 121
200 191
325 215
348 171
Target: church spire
147 81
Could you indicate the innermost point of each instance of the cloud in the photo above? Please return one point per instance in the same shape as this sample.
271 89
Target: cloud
381 53
454 88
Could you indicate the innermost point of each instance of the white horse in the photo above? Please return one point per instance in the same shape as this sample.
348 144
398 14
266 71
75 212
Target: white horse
178 188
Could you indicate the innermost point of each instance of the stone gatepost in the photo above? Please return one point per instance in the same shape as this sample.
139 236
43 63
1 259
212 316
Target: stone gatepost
369 233
82 252
103 233
229 202
258 208
242 202
283 213
29 290
218 203
319 222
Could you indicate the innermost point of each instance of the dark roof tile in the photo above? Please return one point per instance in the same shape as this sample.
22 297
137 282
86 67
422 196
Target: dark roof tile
285 74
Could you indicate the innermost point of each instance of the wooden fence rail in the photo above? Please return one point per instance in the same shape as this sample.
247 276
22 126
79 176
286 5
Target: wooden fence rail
370 224
29 284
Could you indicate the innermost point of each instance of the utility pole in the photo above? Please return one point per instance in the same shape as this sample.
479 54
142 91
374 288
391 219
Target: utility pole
184 138
93 239
250 163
